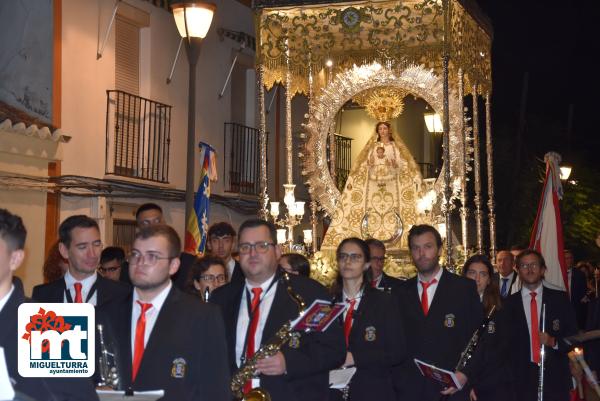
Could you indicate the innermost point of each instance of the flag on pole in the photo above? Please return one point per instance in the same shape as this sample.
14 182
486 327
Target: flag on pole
197 225
547 233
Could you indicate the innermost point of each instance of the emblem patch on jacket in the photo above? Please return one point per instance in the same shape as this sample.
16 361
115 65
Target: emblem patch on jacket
178 369
294 341
370 333
556 325
491 327
449 320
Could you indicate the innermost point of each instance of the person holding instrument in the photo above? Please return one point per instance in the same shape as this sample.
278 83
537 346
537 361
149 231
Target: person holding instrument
259 306
524 315
374 336
492 381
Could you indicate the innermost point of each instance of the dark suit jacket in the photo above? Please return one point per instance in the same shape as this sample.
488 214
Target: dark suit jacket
592 349
440 337
577 293
187 333
40 389
307 365
390 284
106 289
493 379
560 323
377 343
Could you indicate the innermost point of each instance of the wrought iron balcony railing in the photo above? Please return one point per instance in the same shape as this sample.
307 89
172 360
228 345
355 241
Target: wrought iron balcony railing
242 159
137 137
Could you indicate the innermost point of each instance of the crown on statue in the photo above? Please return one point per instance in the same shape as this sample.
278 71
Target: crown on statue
383 104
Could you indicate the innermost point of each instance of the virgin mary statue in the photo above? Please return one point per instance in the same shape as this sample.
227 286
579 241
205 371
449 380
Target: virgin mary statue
379 198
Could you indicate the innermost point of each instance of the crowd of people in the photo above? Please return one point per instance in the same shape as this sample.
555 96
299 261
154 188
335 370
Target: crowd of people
187 325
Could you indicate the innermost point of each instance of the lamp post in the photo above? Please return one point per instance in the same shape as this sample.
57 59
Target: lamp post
193 20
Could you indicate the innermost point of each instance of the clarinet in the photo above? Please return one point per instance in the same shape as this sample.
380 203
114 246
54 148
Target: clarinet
467 353
540 395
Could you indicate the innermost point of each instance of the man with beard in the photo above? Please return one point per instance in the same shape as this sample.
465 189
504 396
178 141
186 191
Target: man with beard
440 312
524 311
166 339
80 244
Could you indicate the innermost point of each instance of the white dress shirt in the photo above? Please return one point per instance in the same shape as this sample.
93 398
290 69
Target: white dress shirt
4 299
432 287
526 297
511 288
151 314
264 307
346 299
86 286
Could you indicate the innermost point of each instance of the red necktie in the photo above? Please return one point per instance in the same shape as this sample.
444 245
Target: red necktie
424 296
140 331
374 283
78 298
535 329
252 330
348 320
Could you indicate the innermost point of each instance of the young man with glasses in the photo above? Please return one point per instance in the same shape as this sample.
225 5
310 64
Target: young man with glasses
166 339
257 307
111 262
440 312
80 244
524 311
379 279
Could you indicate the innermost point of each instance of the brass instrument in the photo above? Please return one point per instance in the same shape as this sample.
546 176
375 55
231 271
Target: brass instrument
540 394
107 364
246 371
467 353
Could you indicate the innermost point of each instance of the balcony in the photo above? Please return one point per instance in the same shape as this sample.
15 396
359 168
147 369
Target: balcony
137 137
242 159
343 159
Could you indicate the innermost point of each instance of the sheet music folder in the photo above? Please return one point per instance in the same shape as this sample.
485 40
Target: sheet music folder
113 395
442 376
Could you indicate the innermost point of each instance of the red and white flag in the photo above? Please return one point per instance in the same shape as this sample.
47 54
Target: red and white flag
547 233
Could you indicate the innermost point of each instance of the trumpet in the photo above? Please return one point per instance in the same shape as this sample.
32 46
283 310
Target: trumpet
246 371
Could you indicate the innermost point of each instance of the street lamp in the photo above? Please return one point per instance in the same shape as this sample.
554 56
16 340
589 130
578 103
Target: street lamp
193 20
565 172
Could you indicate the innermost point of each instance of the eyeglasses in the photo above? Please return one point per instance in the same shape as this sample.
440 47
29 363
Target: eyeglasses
136 258
353 257
211 278
529 266
109 269
260 247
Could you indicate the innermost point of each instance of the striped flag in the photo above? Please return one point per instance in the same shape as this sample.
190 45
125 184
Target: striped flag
197 225
547 233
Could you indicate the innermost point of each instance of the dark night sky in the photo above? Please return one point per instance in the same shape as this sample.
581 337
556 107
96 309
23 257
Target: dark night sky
553 42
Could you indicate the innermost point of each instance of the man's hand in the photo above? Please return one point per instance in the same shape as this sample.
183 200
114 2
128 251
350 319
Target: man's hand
462 379
547 340
272 366
349 360
472 395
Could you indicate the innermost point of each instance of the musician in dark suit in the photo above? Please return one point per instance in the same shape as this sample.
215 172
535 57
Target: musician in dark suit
374 336
525 319
492 380
379 279
166 339
592 350
256 308
80 244
506 278
440 312
12 253
577 289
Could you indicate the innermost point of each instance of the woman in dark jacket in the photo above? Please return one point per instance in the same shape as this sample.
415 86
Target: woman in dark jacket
494 380
374 337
